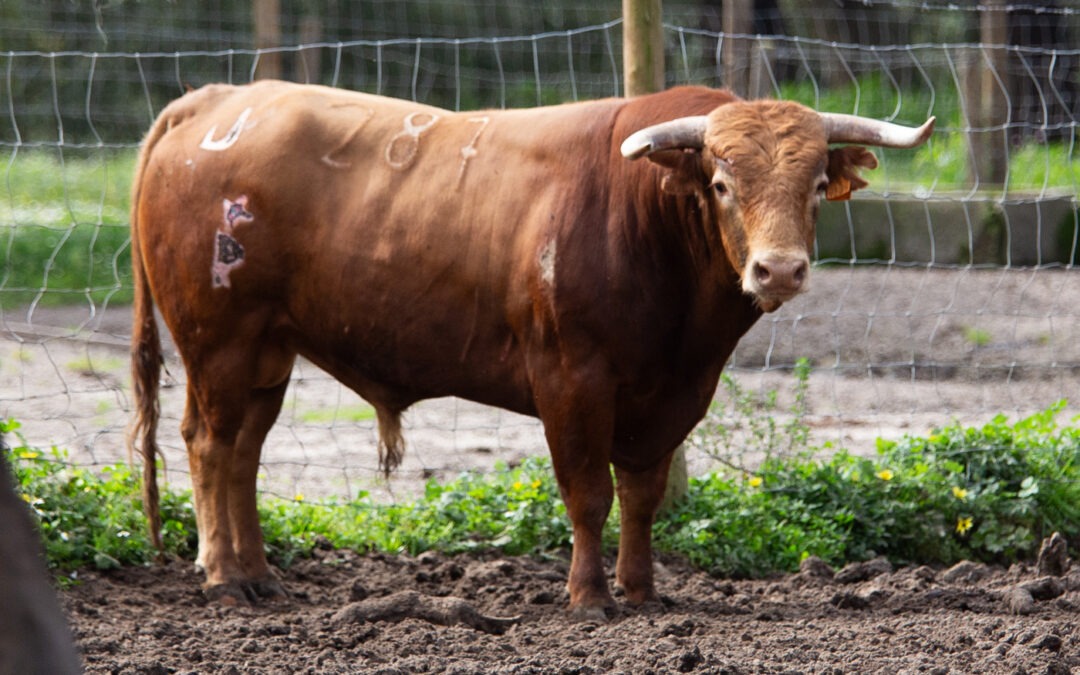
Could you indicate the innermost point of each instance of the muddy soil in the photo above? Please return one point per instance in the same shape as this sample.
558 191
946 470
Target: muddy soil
864 620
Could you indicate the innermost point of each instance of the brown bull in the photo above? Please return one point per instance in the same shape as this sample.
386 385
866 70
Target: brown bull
516 258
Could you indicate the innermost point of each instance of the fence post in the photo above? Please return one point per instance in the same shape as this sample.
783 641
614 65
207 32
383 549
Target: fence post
267 18
738 19
643 46
643 72
991 154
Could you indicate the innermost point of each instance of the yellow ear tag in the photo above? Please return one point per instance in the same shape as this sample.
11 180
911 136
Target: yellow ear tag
839 189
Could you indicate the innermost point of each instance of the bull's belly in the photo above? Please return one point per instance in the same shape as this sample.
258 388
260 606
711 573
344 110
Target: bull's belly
398 377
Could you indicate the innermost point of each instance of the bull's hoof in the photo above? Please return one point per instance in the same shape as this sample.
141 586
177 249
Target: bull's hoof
642 598
230 594
269 588
589 613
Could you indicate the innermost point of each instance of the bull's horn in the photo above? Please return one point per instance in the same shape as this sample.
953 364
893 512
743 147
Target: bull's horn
685 132
841 128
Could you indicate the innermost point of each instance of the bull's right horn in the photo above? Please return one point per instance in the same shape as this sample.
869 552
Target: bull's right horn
685 132
840 128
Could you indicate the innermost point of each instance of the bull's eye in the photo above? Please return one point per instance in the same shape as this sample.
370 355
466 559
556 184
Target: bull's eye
720 188
823 186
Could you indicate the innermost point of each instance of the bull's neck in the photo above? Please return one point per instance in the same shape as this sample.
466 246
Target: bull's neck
674 243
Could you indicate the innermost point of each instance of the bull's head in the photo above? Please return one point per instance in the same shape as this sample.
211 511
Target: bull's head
760 169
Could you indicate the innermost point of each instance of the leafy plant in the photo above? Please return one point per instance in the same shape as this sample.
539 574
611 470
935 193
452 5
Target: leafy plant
92 520
740 428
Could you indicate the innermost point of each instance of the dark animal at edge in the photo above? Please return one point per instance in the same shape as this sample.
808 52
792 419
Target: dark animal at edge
34 634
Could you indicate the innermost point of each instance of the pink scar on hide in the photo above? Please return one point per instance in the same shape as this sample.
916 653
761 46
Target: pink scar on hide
236 213
228 252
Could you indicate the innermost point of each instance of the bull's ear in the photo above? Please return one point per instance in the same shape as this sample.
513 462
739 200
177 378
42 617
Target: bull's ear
684 176
844 164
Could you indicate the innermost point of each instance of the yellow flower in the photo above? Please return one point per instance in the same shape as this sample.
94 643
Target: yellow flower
959 492
299 497
518 486
963 525
536 483
755 481
885 474
29 454
26 498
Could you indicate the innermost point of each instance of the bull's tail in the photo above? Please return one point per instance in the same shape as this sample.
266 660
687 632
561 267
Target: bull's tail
146 359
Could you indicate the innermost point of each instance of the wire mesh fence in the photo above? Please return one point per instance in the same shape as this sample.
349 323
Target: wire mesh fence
946 290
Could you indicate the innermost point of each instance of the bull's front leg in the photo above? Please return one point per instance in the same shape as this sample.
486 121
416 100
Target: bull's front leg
579 422
640 493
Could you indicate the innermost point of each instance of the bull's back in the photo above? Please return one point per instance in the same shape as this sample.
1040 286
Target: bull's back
389 241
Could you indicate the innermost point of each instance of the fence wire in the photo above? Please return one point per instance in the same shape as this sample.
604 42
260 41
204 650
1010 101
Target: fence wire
946 290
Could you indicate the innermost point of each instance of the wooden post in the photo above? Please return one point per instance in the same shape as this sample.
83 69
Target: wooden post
643 47
738 19
993 104
311 58
267 16
643 73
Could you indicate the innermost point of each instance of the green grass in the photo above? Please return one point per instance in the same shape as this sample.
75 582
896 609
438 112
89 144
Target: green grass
988 493
977 337
943 163
99 364
360 412
64 228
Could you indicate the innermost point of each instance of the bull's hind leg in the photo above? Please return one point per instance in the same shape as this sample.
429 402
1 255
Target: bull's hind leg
210 428
234 394
247 537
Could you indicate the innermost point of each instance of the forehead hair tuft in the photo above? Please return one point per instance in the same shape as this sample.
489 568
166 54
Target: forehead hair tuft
766 133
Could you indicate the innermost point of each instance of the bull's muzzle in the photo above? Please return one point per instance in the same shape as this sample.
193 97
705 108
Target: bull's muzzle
775 278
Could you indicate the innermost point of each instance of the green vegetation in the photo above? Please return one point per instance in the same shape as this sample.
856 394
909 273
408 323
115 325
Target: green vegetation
977 337
740 429
987 493
64 228
945 162
360 412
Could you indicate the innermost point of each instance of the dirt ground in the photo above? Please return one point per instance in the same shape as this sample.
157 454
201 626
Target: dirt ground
354 613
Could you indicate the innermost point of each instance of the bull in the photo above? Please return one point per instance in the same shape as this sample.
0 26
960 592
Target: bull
525 259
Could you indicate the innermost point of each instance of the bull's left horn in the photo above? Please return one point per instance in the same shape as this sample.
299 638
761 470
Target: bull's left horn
685 132
840 128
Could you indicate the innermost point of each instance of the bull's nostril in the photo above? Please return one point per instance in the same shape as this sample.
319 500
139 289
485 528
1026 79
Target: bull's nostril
761 273
799 274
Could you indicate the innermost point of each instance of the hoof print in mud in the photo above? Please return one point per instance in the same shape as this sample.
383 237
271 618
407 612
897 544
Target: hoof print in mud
861 571
445 611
